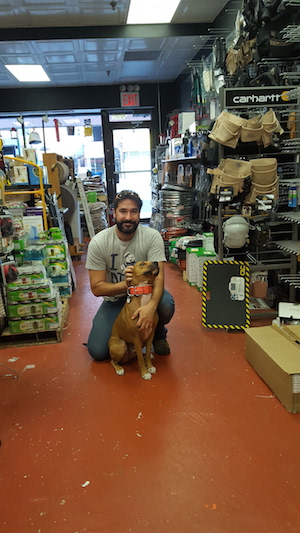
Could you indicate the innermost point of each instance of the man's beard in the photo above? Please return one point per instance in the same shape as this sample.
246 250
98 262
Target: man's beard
123 229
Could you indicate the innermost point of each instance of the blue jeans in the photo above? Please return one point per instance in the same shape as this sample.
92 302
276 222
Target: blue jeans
108 312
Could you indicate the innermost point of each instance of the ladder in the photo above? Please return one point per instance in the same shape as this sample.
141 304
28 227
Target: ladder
85 207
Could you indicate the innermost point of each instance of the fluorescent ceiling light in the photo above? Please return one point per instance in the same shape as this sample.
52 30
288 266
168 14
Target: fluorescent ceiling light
28 72
151 11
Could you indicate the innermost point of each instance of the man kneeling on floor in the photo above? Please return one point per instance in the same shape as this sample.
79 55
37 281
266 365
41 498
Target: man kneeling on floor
110 258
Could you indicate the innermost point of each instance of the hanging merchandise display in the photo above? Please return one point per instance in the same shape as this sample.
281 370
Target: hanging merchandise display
56 126
20 119
34 137
236 232
13 133
196 95
44 120
88 128
229 128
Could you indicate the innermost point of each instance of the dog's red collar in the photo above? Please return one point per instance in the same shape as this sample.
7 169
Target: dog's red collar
140 289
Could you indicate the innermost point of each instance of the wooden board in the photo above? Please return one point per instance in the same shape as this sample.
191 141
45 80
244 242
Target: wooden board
50 161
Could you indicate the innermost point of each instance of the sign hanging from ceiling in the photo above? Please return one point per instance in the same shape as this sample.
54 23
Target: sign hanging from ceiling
258 96
129 99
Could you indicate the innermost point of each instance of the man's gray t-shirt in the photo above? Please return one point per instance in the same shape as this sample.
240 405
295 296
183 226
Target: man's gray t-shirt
107 252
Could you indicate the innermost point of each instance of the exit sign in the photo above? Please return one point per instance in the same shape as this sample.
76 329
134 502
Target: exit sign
130 99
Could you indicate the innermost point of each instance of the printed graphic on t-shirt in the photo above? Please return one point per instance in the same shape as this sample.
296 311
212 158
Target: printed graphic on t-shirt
115 275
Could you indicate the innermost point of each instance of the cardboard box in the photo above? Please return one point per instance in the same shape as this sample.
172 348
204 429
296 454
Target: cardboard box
33 175
185 120
33 225
29 154
19 176
274 352
192 264
202 257
208 242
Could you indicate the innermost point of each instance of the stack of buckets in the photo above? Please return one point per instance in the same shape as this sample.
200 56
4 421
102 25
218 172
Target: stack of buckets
176 207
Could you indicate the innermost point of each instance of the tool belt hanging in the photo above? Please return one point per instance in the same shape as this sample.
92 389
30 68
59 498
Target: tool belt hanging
229 128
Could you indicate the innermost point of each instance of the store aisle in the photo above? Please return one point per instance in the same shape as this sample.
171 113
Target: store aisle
203 447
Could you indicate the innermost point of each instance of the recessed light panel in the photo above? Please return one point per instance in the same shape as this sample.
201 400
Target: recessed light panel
151 11
26 73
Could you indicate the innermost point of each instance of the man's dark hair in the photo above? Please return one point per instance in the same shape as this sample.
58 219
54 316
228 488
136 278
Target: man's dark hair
128 195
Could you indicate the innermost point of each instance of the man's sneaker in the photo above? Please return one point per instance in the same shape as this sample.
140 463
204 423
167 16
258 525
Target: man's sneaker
161 347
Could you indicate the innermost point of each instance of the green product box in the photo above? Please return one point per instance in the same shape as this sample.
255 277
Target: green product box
19 259
20 244
28 292
31 308
57 268
51 322
173 253
202 257
51 306
26 309
56 250
30 275
26 326
208 238
192 264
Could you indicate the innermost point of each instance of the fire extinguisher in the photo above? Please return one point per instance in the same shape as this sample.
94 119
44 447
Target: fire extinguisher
56 125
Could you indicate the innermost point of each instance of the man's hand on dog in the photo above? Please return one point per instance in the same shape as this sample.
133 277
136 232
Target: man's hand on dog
128 275
145 316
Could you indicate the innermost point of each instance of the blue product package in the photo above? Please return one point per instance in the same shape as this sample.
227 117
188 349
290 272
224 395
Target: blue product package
33 175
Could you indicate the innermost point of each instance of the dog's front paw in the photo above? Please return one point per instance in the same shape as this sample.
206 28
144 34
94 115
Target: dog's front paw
152 370
120 372
147 376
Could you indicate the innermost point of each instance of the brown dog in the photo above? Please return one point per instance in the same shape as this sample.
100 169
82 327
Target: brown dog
125 334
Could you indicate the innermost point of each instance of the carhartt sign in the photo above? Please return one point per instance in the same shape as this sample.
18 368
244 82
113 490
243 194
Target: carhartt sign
274 96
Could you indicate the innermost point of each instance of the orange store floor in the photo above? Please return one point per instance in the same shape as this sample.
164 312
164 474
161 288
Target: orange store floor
202 447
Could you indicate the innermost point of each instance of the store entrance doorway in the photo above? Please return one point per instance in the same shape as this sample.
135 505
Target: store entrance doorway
133 164
132 156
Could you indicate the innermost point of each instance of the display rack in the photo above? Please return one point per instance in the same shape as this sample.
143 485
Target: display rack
292 247
31 190
249 101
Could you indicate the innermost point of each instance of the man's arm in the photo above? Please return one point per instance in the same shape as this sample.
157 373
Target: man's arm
100 287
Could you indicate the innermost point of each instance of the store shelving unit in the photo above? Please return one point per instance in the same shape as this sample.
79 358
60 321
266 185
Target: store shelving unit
39 189
293 248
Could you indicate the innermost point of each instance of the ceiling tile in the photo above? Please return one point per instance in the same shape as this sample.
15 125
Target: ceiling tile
107 56
143 44
140 68
62 58
19 60
55 46
100 44
13 48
